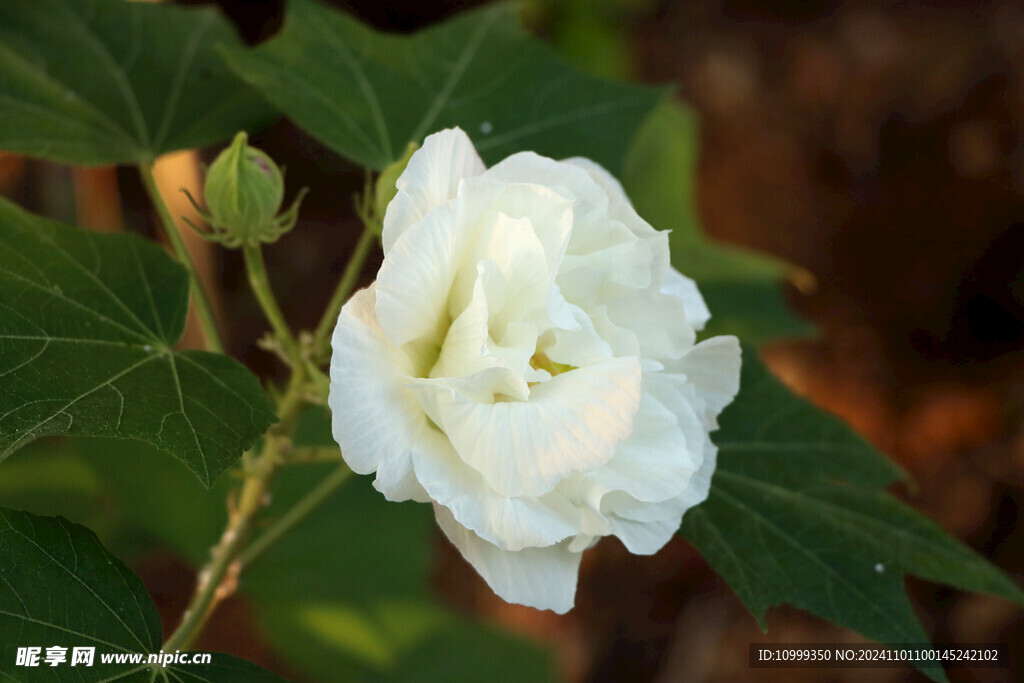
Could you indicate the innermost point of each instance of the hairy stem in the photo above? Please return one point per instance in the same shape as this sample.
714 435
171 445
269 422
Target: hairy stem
202 302
321 338
211 586
218 578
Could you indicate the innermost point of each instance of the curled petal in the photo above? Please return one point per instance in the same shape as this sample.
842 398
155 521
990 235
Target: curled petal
375 417
430 179
572 423
509 523
712 367
683 288
544 578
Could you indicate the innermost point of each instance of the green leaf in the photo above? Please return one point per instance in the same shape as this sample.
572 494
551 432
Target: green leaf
742 288
114 82
366 94
60 587
87 326
797 515
344 595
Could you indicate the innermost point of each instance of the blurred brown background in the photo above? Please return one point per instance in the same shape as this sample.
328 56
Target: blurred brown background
875 144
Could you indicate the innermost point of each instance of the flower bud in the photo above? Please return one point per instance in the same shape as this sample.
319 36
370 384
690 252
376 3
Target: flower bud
244 191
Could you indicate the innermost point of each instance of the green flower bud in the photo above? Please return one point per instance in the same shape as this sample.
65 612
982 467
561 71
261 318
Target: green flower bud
244 191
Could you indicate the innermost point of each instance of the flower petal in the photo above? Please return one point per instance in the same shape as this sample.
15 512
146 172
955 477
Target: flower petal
509 523
430 179
520 257
543 578
627 507
644 528
658 321
416 276
375 418
683 288
712 367
655 463
579 347
572 423
644 538
621 209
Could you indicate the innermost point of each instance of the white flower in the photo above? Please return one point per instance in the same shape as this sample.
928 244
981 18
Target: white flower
526 362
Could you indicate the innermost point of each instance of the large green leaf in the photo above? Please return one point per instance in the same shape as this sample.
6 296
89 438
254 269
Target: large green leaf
367 94
742 288
87 326
797 515
59 587
344 595
110 81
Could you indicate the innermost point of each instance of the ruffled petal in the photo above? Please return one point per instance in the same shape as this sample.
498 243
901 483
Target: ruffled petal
514 248
627 507
580 347
683 288
375 418
659 323
655 463
509 523
712 367
571 423
430 179
542 578
414 281
644 538
568 181
620 209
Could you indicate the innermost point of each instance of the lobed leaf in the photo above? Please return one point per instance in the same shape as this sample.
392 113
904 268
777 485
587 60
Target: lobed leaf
797 515
87 328
114 82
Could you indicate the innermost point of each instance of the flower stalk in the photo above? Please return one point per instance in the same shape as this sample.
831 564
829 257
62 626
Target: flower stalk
260 283
219 577
349 278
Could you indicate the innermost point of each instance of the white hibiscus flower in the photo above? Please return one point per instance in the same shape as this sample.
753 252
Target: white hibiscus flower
526 362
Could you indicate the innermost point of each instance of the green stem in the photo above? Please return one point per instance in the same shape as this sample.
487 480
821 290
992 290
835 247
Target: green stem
321 338
295 515
216 580
312 454
210 589
203 307
260 283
